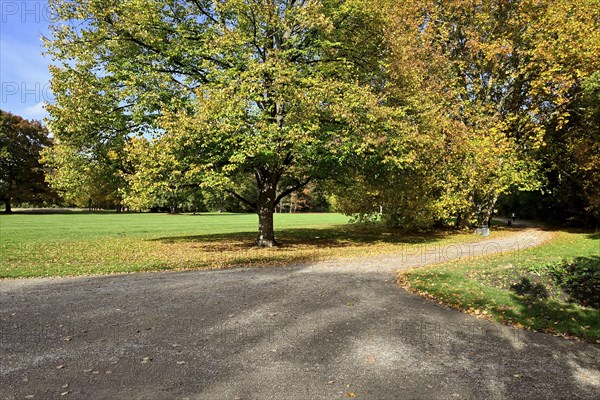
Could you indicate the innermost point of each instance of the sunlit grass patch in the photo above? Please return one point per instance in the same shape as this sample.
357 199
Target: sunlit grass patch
521 288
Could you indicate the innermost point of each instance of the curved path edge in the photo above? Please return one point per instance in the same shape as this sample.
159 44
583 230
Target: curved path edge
330 330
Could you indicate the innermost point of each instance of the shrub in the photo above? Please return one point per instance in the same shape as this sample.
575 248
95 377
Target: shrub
580 279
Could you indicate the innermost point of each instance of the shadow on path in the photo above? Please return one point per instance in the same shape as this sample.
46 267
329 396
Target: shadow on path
304 332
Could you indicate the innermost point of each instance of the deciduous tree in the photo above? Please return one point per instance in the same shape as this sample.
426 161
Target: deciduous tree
22 177
491 70
276 88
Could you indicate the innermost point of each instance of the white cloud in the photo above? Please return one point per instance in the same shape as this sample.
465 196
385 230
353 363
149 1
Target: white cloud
36 111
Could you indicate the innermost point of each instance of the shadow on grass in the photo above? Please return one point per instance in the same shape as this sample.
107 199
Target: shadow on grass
580 279
532 290
552 316
536 312
595 236
329 237
527 303
61 211
576 312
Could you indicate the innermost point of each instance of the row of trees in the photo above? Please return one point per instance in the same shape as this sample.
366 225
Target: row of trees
503 97
418 111
29 162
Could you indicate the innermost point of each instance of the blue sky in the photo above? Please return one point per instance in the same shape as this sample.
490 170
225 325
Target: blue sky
24 75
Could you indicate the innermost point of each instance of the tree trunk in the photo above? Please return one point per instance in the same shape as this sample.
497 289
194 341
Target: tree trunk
488 211
267 185
266 233
8 208
461 221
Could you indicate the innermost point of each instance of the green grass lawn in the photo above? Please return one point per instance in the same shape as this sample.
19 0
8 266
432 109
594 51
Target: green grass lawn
19 228
80 243
525 288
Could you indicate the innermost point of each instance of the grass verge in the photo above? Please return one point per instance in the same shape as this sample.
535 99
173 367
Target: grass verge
549 288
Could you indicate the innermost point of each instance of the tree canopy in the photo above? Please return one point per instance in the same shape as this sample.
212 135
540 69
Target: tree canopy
496 91
419 110
284 89
22 177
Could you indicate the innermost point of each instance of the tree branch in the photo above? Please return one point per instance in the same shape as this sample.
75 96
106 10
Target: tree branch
242 199
128 36
300 185
204 12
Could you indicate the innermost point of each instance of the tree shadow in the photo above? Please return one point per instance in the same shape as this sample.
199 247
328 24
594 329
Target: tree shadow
532 310
531 290
544 315
60 211
594 236
328 237
580 280
285 334
577 308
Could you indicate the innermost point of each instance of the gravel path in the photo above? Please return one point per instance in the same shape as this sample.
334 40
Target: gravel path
331 329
